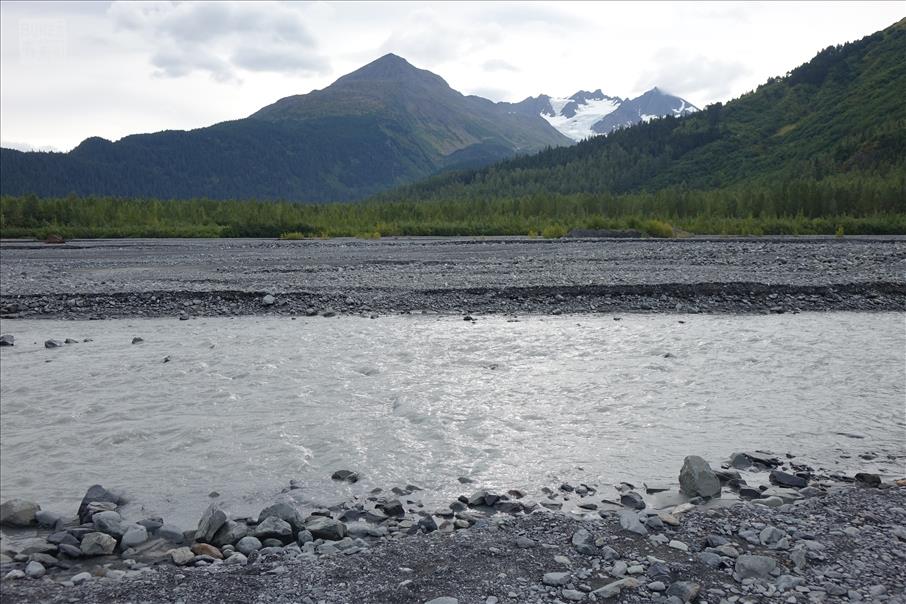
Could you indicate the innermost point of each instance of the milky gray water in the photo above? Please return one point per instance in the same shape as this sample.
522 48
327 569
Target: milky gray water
244 405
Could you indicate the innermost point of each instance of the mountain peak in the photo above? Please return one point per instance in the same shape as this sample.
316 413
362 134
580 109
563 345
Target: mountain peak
391 67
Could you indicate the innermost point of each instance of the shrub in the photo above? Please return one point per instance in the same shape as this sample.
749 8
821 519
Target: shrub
657 228
553 231
292 235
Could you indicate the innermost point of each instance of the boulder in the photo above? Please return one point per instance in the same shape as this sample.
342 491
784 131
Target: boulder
345 476
697 479
754 567
134 534
181 556
392 507
629 520
584 542
230 532
97 544
110 523
46 519
96 493
785 479
285 512
555 579
322 527
248 544
864 479
211 520
52 344
273 528
171 533
18 512
632 500
7 340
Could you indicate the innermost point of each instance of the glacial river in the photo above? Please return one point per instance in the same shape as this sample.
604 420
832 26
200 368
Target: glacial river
244 405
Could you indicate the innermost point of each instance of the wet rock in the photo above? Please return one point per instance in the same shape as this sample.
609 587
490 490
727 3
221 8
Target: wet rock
46 519
391 507
96 493
171 533
7 340
345 476
785 479
53 344
97 544
134 535
61 537
427 524
749 493
632 500
863 479
754 567
483 497
698 479
211 520
137 340
771 502
19 512
322 527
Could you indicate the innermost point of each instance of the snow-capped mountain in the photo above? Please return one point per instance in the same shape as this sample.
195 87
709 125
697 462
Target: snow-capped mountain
587 114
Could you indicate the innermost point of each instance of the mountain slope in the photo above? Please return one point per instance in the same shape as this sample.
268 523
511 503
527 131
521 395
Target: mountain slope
842 113
586 114
385 124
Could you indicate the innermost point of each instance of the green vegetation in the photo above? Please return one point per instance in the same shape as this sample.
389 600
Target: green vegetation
656 214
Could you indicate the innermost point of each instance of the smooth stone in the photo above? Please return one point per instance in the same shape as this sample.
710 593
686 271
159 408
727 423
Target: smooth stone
46 519
864 479
678 545
36 545
109 522
248 544
284 512
13 575
523 542
619 569
135 534
771 502
698 479
443 600
18 512
72 551
555 579
52 343
572 595
632 500
81 578
181 556
35 570
709 559
204 549
268 300
656 586
770 535
97 544
236 559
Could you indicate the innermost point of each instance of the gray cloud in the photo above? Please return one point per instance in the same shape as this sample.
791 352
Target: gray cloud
213 37
692 76
498 65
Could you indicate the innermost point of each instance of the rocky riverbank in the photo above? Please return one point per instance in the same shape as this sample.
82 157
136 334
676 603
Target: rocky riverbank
180 278
799 536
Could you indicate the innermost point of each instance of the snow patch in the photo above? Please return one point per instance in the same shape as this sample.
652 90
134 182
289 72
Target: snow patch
587 115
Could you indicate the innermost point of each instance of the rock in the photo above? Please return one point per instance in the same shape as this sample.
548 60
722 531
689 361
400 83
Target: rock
110 523
754 567
7 340
18 512
787 582
231 532
584 542
135 534
427 524
749 493
81 578
656 586
46 519
248 544
483 498
678 545
632 500
709 559
211 520
697 479
13 575
72 551
392 507
274 528
35 570
52 344
612 590
771 502
322 527
181 556
630 521
97 544
237 559
555 579
573 595
443 600
137 340
787 480
268 300
770 535
345 476
171 533
523 542
62 537
203 549
742 461
864 479
36 545
619 568
686 591
96 493
305 537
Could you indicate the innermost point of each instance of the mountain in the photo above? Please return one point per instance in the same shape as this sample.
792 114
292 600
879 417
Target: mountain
386 124
586 114
840 118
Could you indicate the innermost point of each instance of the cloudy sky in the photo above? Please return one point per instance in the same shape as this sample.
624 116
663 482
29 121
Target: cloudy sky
71 70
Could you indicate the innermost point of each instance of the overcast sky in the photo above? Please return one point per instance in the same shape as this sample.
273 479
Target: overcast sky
71 70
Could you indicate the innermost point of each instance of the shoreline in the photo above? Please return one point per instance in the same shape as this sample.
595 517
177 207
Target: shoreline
786 540
706 298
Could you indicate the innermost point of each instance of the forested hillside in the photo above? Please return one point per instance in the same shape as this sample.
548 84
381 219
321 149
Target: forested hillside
841 116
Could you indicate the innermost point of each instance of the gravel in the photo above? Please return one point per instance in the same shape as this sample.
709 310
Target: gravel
187 278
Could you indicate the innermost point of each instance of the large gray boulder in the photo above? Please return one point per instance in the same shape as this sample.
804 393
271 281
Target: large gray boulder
322 527
211 521
230 533
274 528
110 523
18 512
697 479
96 493
285 512
97 544
134 534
